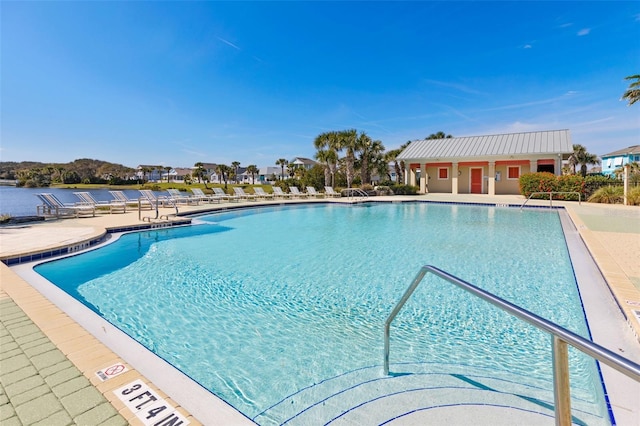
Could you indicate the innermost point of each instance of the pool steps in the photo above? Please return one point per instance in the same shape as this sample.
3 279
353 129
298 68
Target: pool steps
367 396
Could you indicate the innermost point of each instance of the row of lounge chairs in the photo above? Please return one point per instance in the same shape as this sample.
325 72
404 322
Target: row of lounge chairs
88 206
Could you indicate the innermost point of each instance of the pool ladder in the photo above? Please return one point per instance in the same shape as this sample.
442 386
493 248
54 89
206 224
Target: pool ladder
560 338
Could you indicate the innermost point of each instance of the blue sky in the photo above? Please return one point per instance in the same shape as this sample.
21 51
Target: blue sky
175 83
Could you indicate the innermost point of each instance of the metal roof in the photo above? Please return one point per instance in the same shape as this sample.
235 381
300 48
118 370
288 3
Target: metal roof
635 149
529 143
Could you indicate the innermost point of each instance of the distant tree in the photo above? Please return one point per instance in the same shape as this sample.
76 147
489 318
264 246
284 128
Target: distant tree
327 154
199 171
583 158
253 170
438 135
168 169
370 152
632 95
282 163
223 171
234 167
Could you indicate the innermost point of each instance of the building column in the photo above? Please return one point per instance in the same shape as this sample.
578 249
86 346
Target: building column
423 179
411 174
454 178
533 166
492 178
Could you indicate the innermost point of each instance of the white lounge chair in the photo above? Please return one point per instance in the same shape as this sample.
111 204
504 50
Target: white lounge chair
180 198
261 194
53 207
141 203
197 192
329 192
243 195
295 192
224 196
311 191
112 206
156 201
278 192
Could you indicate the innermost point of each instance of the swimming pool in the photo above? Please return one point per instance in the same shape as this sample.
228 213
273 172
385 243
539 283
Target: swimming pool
259 305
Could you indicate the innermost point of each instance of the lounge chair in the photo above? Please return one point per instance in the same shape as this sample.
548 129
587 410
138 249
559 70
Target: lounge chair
243 195
141 203
199 193
180 198
261 194
311 191
112 206
218 192
278 192
156 201
53 207
295 192
329 192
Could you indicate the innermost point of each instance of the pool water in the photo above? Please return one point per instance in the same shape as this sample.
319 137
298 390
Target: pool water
257 305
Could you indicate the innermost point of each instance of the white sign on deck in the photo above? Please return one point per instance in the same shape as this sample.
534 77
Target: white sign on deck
148 406
111 371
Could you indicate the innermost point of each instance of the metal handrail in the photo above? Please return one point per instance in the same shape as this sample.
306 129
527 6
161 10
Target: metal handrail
551 196
358 191
560 338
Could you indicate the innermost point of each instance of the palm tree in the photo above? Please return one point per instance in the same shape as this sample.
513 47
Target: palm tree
347 140
168 169
282 163
327 146
438 135
235 166
632 95
253 170
370 152
582 157
223 171
199 171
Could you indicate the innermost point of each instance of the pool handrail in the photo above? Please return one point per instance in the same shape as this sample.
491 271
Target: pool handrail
550 193
560 338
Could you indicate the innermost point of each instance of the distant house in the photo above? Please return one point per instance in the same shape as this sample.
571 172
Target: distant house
305 163
616 159
150 173
179 173
483 164
265 175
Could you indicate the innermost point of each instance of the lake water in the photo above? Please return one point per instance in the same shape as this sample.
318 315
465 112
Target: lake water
23 201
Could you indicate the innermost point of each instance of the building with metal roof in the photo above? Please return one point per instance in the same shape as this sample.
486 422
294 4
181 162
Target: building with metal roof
489 164
616 159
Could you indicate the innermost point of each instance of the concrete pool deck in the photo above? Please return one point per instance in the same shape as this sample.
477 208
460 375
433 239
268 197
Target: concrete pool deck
48 363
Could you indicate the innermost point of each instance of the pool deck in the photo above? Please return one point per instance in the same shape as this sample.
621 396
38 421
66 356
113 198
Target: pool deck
49 363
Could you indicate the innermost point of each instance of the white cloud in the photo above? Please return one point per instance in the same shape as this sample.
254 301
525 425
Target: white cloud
584 32
527 46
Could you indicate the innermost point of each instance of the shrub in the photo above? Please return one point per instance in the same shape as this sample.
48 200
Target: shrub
633 196
404 189
570 183
594 182
608 195
538 182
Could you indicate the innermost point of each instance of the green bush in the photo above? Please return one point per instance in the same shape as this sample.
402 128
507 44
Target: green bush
570 183
548 182
608 195
633 196
538 182
594 182
404 189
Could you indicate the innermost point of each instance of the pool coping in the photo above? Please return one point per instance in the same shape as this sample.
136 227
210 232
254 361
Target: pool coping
288 202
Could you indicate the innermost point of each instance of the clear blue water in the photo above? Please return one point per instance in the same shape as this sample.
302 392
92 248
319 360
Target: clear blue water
258 304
